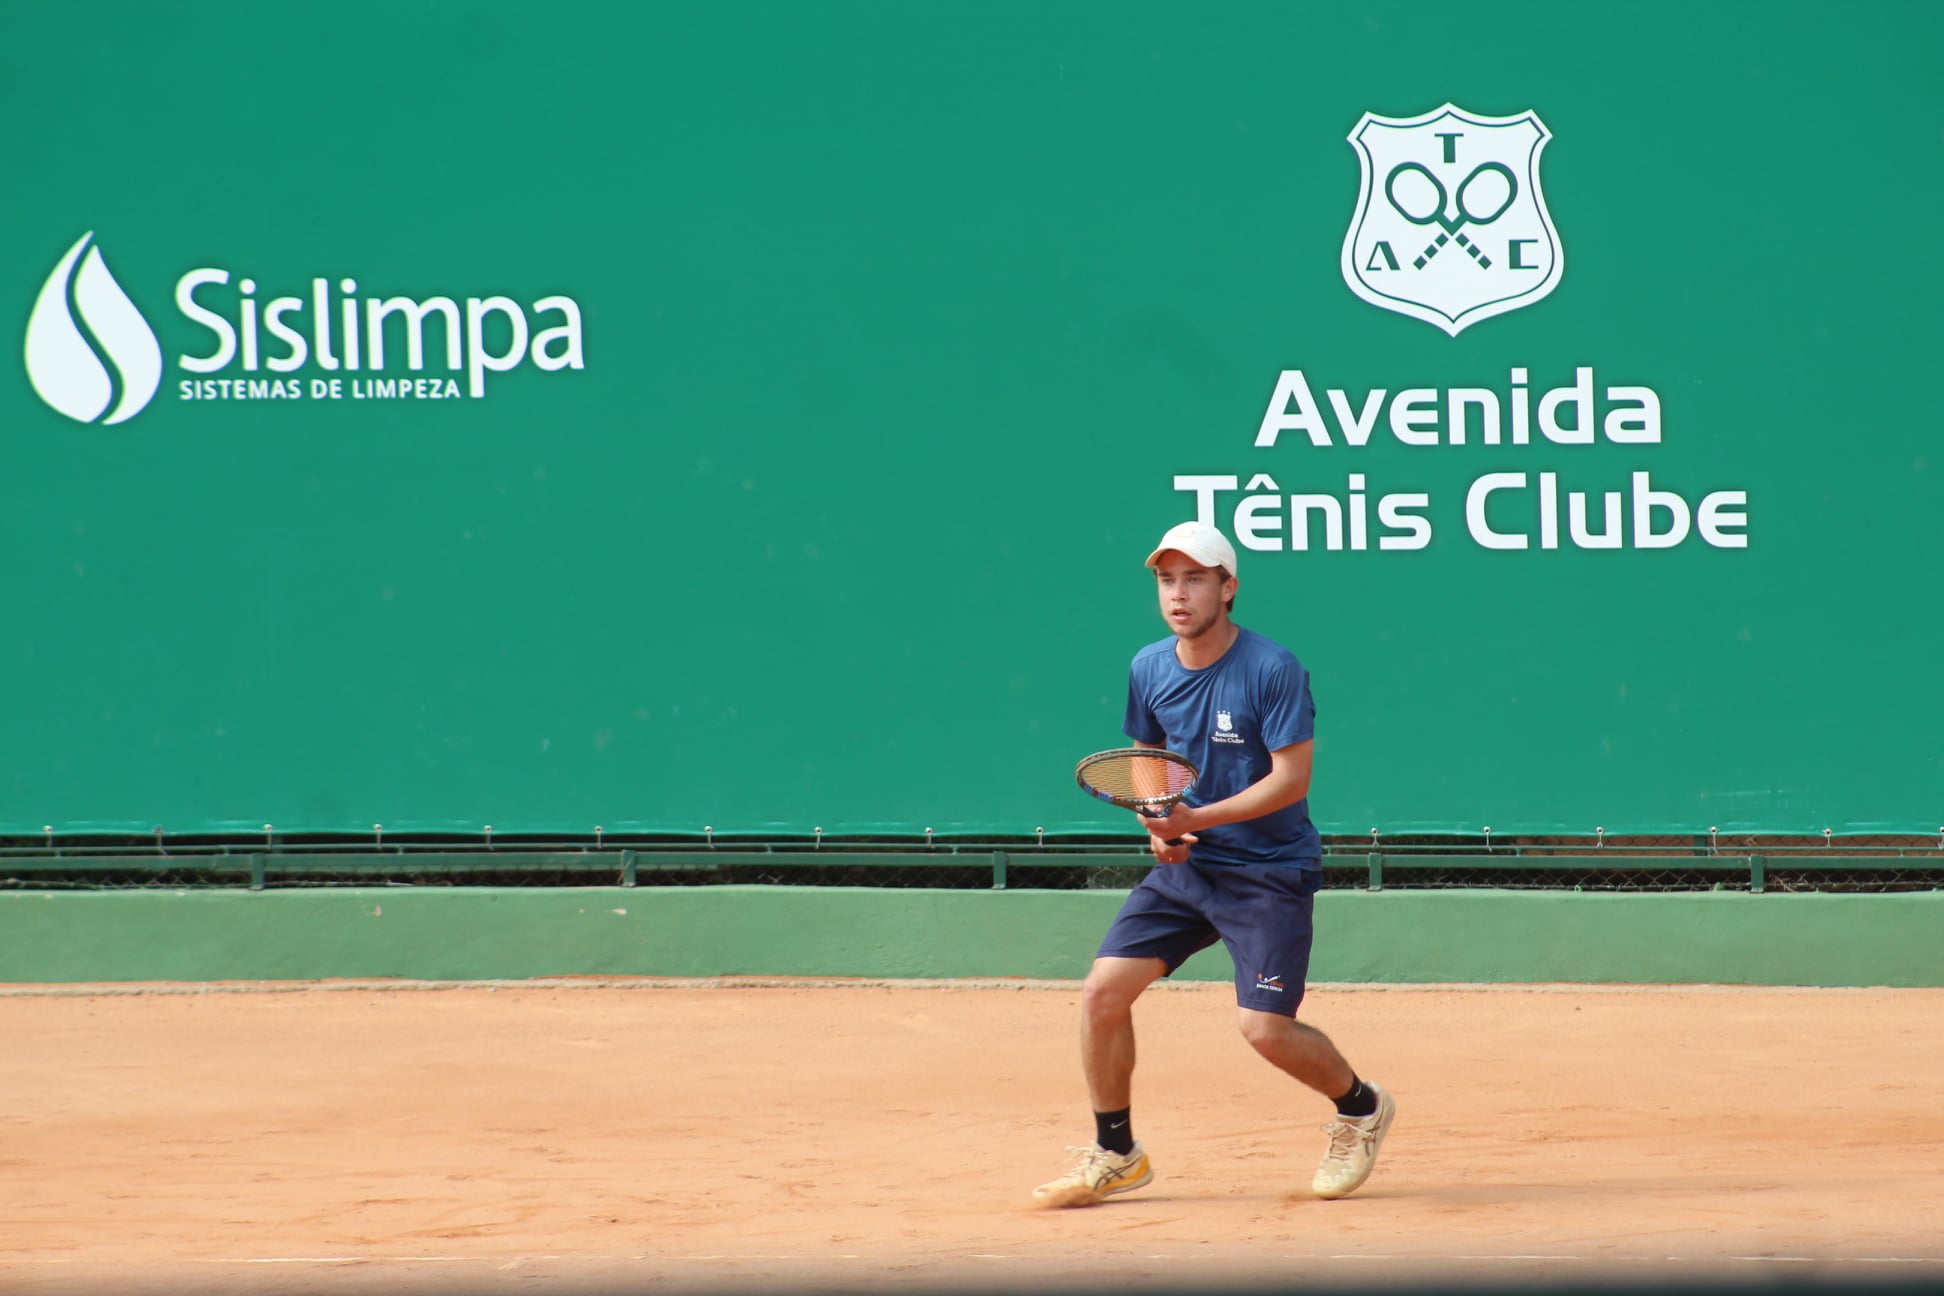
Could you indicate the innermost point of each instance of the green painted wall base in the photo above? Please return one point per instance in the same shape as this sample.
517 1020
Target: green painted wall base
513 933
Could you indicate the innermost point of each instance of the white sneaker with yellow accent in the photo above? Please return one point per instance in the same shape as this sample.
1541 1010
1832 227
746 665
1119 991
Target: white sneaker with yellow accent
1354 1142
1098 1175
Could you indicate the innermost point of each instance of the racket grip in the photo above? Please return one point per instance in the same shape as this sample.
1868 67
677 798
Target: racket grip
1145 814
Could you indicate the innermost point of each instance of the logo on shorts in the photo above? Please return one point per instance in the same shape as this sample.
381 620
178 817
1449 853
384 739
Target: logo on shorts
1451 225
1269 983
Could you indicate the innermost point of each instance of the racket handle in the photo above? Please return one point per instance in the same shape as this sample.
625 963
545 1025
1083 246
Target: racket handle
1145 814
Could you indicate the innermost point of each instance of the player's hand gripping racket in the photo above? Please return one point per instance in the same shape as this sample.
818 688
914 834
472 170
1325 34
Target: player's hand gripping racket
1147 780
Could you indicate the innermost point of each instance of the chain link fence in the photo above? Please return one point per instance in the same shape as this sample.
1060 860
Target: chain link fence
1708 861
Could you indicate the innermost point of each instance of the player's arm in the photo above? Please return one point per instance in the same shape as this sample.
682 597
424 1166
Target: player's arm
1286 783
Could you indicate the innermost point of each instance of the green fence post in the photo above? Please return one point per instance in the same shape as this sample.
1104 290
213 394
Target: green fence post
998 870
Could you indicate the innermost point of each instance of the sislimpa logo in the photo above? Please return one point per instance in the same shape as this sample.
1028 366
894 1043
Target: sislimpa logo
70 369
1451 225
92 356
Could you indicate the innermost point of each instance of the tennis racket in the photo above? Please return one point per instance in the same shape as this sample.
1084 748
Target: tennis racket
1147 780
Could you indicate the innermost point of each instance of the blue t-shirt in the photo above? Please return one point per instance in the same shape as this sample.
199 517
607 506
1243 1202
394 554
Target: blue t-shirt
1227 718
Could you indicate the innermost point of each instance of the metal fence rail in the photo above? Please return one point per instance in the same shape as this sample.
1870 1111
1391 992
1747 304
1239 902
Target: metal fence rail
1686 862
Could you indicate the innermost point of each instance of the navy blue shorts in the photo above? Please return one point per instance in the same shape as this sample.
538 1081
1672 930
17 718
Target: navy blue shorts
1261 912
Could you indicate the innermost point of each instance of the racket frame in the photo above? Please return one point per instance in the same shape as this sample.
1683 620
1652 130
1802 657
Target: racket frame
1148 807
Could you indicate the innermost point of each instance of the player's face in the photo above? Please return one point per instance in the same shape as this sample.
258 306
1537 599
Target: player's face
1193 597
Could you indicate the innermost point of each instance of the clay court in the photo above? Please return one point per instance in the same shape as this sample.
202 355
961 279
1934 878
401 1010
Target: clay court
600 1135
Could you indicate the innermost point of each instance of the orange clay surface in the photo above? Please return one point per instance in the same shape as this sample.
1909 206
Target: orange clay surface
608 1135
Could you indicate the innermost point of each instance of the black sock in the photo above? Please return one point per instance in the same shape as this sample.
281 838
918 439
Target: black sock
1114 1131
1360 1101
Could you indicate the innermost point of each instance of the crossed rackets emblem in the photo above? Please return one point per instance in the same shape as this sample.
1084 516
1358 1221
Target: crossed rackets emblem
1424 202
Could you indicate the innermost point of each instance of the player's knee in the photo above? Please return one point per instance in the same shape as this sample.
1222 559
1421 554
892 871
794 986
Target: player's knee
1104 998
1109 991
1263 1030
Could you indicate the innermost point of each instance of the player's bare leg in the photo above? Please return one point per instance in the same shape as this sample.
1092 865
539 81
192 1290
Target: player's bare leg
1107 1026
1308 1055
1107 1059
1298 1050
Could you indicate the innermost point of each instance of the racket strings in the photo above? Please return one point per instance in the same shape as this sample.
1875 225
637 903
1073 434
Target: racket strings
1139 778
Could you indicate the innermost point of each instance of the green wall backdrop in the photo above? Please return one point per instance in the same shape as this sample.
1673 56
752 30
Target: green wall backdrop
464 933
869 346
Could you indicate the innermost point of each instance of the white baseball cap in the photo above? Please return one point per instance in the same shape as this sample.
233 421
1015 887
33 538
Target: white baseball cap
1199 541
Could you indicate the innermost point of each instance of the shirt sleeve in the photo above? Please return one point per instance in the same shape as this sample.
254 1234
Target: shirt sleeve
1140 723
1288 711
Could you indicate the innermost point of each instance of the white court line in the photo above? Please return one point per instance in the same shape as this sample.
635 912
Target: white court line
1936 1260
504 1262
345 1259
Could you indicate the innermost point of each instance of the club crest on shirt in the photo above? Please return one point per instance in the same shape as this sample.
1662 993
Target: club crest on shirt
1225 728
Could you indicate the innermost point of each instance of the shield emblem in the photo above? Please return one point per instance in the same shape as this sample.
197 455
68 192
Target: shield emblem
1451 226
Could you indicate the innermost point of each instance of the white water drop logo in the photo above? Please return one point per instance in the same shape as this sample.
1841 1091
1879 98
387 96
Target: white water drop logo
65 367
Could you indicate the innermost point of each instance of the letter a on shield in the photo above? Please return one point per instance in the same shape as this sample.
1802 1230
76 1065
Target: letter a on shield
1451 226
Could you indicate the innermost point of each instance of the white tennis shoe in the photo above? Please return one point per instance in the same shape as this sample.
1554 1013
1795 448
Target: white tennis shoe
1098 1175
1354 1142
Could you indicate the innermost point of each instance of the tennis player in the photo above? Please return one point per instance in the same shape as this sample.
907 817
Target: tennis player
1245 871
